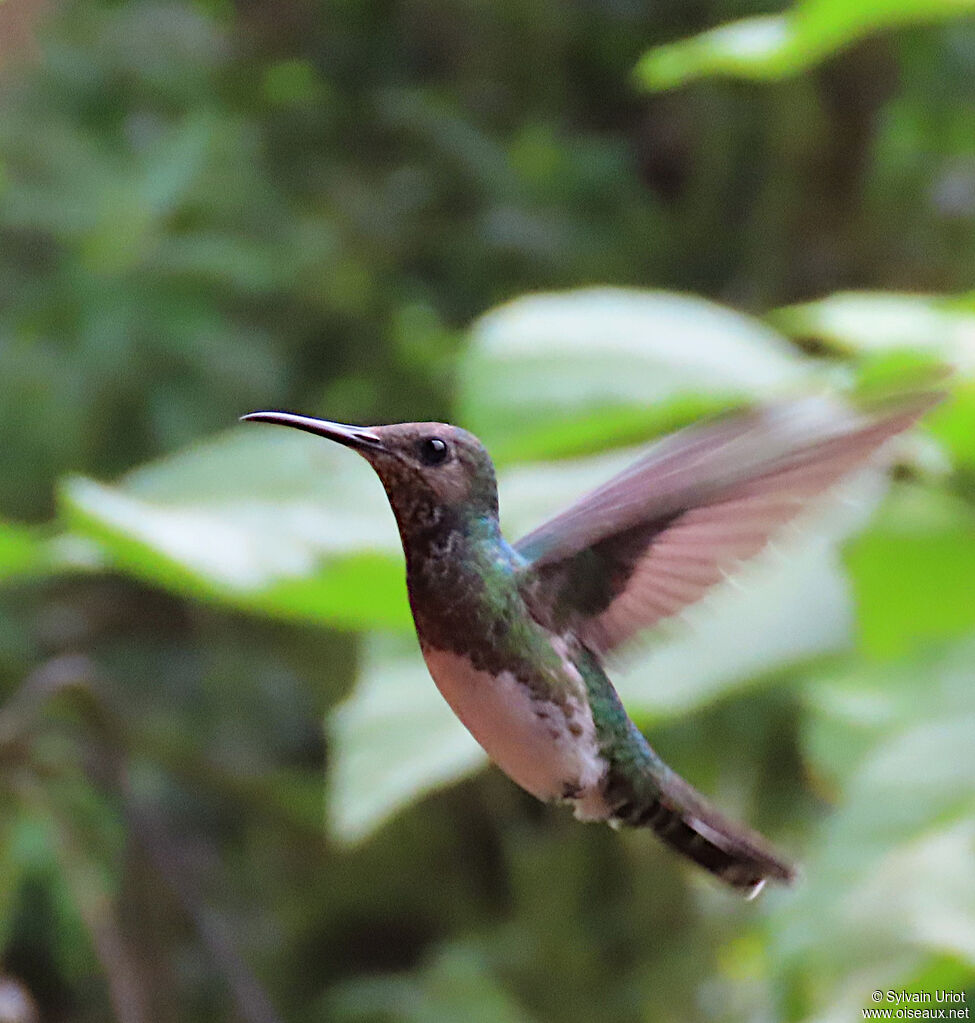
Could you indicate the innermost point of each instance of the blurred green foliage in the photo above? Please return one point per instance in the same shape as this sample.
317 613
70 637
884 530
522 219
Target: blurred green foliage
206 208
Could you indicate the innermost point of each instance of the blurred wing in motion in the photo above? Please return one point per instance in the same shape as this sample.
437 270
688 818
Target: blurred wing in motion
657 536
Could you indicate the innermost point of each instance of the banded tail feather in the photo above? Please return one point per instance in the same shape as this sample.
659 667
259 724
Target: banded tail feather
683 820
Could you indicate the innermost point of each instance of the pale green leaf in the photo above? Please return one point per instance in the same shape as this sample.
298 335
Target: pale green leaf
776 46
888 885
762 47
953 424
566 373
852 706
22 552
266 519
879 321
457 985
913 574
887 889
392 741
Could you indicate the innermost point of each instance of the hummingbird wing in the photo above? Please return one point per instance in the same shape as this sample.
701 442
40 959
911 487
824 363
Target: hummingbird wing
657 536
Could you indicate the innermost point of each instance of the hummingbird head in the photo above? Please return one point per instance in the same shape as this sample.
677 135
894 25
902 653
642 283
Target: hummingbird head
427 469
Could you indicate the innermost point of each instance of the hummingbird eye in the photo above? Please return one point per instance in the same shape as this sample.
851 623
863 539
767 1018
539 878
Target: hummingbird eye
432 451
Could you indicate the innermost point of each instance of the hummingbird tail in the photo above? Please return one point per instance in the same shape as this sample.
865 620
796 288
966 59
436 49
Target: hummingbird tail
685 821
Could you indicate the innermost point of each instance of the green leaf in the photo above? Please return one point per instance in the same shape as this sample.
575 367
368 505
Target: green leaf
886 899
881 328
912 574
393 740
771 47
887 889
28 552
23 552
853 706
877 321
267 520
954 425
551 375
456 985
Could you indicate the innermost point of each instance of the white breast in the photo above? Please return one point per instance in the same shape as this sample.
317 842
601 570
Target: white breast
549 750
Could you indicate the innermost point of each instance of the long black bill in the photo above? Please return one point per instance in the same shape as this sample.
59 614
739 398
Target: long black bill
351 436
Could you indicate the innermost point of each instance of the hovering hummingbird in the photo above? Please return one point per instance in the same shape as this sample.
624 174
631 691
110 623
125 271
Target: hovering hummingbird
515 636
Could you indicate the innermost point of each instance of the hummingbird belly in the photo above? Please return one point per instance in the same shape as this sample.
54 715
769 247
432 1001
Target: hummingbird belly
548 748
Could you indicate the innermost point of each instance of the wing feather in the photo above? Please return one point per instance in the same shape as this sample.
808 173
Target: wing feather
678 521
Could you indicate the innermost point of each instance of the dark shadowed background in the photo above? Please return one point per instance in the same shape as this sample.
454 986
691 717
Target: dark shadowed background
228 791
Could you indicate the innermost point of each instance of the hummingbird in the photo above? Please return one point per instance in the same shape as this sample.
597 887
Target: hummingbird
517 636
